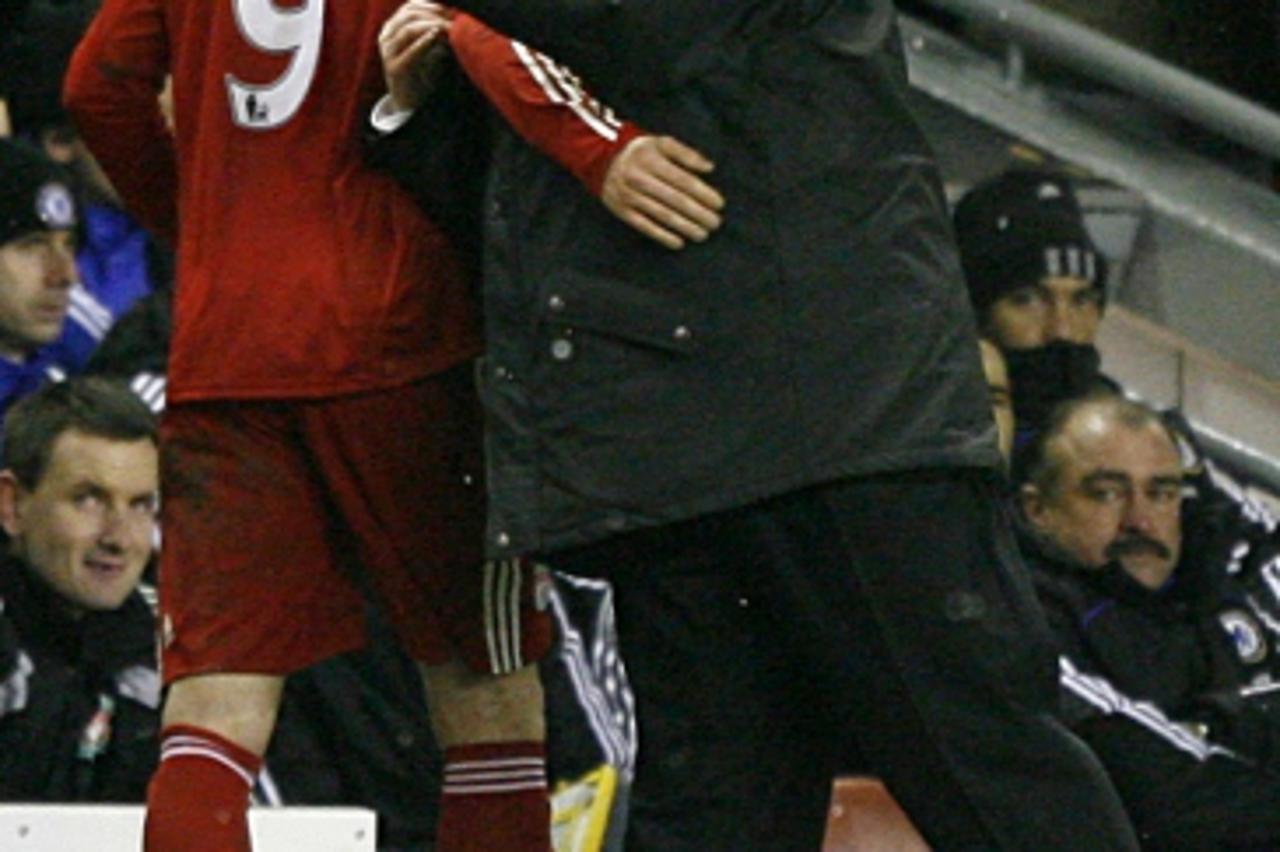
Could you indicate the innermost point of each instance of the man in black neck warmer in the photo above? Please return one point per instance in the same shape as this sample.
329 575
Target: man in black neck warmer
1037 283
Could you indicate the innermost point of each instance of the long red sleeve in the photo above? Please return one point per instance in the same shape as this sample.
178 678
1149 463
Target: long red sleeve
542 101
111 91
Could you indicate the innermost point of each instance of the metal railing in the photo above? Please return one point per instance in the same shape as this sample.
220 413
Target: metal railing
1260 471
1091 54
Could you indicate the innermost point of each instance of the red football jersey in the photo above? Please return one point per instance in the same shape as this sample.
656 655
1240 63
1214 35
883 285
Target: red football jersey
300 272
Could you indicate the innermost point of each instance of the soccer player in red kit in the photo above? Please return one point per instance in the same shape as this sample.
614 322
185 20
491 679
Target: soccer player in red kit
322 435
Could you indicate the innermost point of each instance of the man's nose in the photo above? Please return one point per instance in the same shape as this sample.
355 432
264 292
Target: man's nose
1060 324
1139 514
60 268
112 532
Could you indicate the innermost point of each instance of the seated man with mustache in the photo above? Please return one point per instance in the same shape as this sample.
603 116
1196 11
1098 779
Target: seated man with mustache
1169 657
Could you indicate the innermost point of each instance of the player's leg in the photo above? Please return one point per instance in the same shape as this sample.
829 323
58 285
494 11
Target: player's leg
495 756
248 587
216 728
475 707
414 505
238 707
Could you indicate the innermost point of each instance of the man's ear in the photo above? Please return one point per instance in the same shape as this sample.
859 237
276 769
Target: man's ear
1031 499
56 147
11 508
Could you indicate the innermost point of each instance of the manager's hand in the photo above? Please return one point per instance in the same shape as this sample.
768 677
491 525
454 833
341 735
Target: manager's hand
654 185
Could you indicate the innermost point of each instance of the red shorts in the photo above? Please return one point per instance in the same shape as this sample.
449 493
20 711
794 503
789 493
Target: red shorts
280 518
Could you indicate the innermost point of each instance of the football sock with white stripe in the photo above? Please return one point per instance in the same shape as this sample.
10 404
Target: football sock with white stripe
198 796
495 797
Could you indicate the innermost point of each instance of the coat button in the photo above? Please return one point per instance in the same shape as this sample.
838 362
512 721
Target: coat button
561 349
556 303
502 540
964 606
682 332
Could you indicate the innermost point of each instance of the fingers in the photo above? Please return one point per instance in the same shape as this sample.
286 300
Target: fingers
682 193
409 45
406 27
681 162
403 31
421 45
653 186
406 47
675 150
652 230
414 9
658 217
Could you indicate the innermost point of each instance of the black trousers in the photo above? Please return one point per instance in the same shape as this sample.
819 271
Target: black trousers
881 624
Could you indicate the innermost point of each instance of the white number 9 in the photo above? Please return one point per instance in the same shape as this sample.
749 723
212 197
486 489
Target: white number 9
276 30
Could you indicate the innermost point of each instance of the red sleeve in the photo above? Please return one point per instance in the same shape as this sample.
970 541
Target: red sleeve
542 101
111 91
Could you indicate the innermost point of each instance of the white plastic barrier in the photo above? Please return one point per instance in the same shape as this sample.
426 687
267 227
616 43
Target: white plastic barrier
118 828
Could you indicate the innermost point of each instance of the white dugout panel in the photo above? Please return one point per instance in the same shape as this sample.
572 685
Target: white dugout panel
118 828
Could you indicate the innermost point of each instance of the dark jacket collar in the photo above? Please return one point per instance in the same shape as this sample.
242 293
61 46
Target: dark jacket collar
101 642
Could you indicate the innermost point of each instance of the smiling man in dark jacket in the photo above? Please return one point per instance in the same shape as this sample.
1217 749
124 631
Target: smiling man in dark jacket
79 690
747 435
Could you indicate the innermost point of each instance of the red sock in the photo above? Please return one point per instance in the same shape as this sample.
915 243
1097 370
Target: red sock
199 794
495 798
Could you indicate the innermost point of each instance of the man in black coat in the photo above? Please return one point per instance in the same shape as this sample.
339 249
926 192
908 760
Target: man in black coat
1038 285
744 436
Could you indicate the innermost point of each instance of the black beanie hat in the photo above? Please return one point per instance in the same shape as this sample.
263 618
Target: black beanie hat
1019 227
35 193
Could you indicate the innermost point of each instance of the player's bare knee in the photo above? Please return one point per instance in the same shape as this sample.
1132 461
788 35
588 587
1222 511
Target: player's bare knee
240 707
470 707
